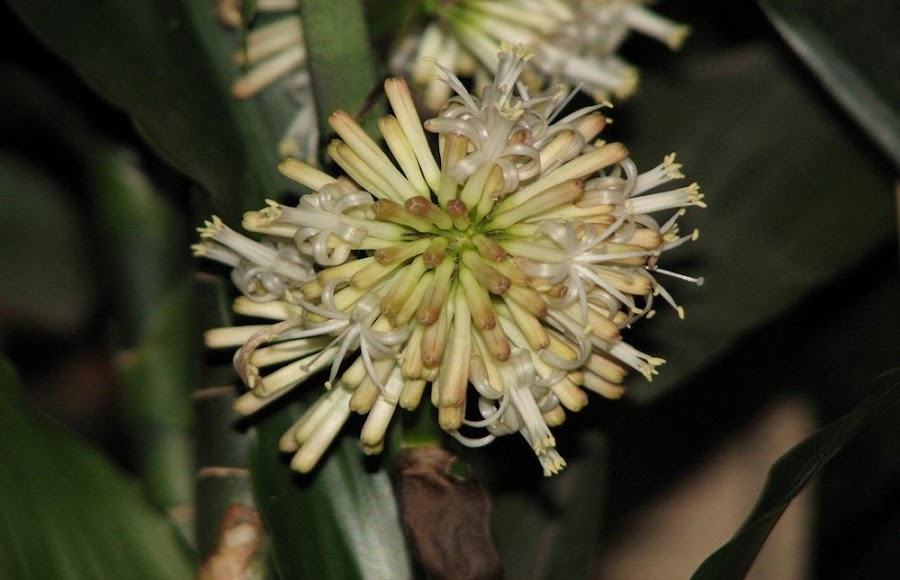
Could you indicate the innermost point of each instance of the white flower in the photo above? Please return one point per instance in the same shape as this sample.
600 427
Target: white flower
574 42
498 277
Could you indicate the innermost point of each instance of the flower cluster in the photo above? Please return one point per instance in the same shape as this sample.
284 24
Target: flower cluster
493 280
271 53
574 41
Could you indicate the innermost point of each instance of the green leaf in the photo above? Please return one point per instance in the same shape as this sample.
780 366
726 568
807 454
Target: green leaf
67 513
852 48
790 474
794 199
168 63
340 59
341 521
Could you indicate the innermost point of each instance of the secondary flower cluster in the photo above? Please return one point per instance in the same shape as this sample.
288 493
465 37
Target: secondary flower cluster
273 53
493 280
575 42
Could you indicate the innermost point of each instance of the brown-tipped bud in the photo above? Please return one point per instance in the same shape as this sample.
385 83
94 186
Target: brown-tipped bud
557 290
478 299
414 301
488 248
391 211
435 252
434 342
510 269
459 213
412 354
436 295
401 252
486 273
496 342
402 288
425 208
528 299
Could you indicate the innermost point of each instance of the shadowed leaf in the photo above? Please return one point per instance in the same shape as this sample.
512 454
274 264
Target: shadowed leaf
791 473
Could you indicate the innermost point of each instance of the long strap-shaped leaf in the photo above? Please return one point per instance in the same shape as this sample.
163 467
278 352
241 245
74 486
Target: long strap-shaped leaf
791 473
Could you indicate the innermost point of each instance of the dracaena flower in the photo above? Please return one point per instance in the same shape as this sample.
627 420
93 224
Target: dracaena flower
494 280
574 42
273 54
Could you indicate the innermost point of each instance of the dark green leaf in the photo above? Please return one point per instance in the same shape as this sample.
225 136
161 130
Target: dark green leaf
168 63
852 48
339 522
552 531
66 513
790 474
340 58
794 199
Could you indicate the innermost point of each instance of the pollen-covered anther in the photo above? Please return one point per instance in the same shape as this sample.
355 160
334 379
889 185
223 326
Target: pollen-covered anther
436 294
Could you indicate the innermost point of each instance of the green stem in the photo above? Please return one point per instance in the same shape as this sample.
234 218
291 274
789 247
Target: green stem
420 428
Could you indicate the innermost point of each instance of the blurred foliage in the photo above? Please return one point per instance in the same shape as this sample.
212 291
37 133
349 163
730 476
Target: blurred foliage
67 513
797 249
790 475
